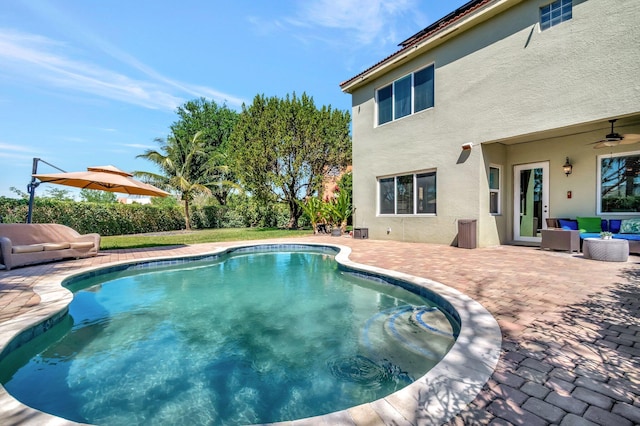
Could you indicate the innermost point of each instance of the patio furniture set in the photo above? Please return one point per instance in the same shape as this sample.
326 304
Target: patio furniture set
585 233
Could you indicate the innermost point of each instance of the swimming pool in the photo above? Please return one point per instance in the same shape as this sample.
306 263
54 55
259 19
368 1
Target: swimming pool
398 402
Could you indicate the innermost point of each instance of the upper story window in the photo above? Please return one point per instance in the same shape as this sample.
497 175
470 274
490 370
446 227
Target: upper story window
555 13
405 96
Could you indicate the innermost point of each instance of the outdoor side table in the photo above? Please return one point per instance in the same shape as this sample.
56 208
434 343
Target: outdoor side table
612 250
560 239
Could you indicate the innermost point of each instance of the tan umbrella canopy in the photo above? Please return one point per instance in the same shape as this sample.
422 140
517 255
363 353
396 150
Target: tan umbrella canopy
103 178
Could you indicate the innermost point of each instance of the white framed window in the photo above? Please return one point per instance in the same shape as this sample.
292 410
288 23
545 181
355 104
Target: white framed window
495 189
405 96
408 194
619 183
555 13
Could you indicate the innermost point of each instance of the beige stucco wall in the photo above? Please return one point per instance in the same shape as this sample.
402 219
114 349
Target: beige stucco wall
499 83
582 182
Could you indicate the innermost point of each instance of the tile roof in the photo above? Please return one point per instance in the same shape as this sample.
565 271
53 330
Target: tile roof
437 26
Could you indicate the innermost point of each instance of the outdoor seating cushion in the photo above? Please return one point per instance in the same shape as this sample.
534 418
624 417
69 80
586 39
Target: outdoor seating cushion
56 246
589 224
27 248
81 245
614 225
629 237
568 224
584 235
630 226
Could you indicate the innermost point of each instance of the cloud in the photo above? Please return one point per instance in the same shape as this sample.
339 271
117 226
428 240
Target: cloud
10 147
15 151
35 58
369 21
139 146
38 61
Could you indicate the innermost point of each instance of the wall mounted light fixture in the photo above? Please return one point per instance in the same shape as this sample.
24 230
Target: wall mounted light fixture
567 168
467 146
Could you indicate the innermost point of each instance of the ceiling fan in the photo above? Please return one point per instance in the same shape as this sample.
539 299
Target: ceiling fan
614 138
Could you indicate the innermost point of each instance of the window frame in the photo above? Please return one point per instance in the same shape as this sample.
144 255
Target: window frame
497 191
415 201
599 182
547 19
393 114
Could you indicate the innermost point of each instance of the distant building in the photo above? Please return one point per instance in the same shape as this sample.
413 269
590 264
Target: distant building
135 199
330 181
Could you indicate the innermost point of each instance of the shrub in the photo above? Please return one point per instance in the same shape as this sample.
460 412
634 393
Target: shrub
86 217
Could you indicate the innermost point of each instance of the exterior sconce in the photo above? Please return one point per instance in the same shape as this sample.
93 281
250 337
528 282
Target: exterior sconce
467 146
567 168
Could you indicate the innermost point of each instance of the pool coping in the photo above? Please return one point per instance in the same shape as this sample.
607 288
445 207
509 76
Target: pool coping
431 400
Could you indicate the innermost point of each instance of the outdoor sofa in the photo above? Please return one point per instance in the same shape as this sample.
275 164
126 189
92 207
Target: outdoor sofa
591 227
29 243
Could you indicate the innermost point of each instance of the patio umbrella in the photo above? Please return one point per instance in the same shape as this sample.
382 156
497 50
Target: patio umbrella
103 178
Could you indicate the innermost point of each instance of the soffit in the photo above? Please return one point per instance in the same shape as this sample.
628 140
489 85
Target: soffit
625 124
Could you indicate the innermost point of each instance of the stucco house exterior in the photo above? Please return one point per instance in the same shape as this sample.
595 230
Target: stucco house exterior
475 117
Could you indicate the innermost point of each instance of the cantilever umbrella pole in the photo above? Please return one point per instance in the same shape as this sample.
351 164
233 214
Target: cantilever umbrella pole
31 187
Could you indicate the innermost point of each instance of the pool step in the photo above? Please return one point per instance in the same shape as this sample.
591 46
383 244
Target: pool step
421 330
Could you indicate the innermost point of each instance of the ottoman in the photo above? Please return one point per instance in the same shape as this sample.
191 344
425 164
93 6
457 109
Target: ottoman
613 250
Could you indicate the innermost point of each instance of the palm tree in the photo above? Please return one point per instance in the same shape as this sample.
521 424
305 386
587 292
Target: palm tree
179 160
219 177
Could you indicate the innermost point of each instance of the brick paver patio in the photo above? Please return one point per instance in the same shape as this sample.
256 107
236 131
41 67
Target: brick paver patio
570 326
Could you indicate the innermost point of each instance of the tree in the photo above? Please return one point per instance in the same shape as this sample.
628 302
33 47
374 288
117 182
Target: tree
19 193
164 201
345 183
215 123
59 194
93 196
282 148
180 160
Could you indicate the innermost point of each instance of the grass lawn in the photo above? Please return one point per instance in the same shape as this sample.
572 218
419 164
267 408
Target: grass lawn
196 236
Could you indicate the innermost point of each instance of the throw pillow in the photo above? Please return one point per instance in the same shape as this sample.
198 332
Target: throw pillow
614 225
589 224
568 224
630 226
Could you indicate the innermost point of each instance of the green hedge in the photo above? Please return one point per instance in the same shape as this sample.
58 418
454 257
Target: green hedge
242 211
121 219
85 217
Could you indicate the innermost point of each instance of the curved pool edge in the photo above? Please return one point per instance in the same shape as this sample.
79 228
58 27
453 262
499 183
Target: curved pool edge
431 400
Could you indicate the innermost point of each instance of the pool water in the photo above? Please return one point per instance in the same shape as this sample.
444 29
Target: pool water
250 338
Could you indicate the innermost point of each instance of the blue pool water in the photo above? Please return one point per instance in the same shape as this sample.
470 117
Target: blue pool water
249 338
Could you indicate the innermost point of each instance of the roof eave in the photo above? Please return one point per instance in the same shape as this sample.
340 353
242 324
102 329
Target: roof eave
422 45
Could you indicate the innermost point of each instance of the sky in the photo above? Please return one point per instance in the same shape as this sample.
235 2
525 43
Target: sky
94 83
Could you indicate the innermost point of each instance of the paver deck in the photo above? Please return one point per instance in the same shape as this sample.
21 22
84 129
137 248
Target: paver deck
570 326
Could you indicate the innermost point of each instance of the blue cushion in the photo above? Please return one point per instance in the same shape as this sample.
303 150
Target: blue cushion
584 235
630 237
604 224
614 225
568 224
